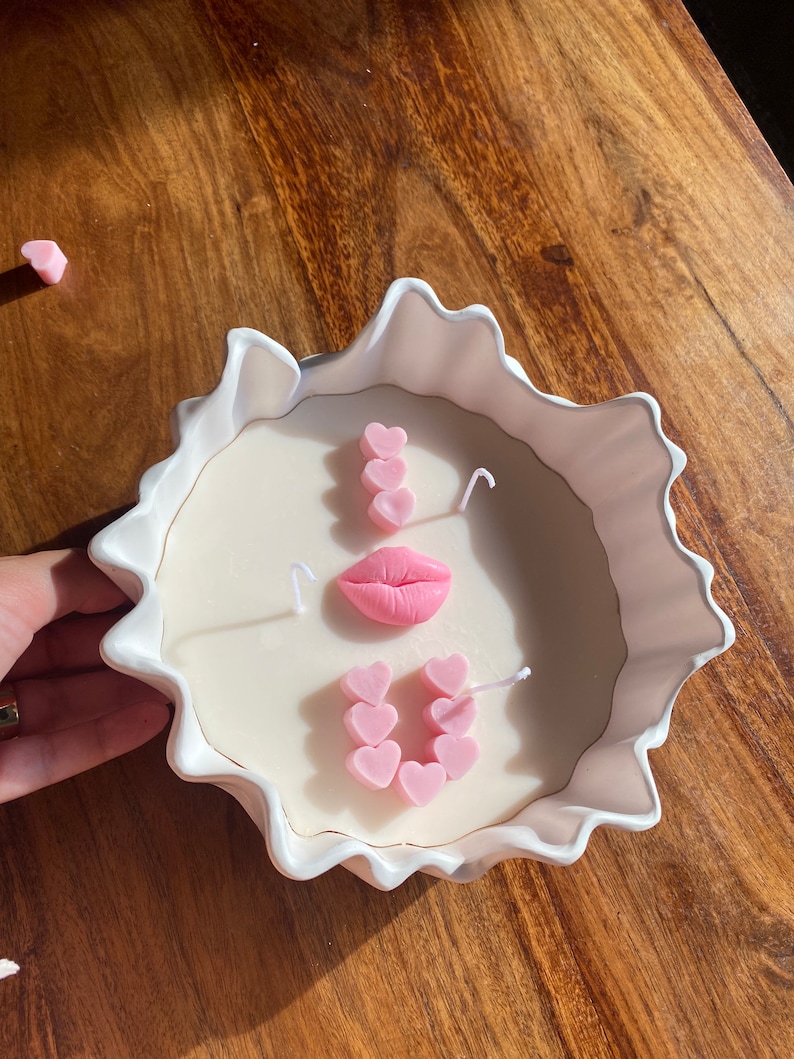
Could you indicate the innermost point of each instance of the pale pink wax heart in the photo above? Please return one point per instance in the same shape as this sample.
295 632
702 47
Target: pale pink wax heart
375 766
419 784
446 676
47 258
391 510
456 755
384 474
369 725
380 443
451 716
367 683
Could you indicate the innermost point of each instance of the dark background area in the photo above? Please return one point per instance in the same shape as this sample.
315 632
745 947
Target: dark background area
752 40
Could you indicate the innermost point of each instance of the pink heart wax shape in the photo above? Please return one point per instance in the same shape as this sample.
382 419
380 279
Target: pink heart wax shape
446 676
419 784
367 683
381 443
375 766
391 510
384 474
46 257
450 716
456 755
370 725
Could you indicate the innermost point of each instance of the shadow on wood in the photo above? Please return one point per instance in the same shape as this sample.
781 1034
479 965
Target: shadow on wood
19 282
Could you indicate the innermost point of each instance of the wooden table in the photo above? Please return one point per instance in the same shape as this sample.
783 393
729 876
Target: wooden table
585 170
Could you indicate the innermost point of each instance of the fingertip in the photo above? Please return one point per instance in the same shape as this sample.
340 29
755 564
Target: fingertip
83 587
150 719
37 761
123 730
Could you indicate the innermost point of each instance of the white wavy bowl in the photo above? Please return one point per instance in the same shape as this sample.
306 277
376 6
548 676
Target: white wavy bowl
615 458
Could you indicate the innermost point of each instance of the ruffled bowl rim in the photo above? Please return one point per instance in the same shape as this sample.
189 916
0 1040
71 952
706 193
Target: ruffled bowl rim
604 452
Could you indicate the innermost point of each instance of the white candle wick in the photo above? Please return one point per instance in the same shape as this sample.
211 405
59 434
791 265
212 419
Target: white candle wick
522 674
481 472
294 568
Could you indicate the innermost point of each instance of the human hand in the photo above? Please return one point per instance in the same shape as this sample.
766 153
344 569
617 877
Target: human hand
74 712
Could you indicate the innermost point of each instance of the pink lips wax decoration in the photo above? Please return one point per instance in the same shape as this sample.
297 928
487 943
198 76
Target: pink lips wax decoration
396 586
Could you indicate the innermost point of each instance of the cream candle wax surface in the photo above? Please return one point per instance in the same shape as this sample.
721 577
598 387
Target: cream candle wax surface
530 586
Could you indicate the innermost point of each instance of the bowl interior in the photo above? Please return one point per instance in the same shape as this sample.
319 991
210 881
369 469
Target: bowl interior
530 585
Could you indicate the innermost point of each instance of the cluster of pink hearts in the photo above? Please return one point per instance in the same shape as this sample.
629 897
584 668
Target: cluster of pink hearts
377 760
398 586
392 504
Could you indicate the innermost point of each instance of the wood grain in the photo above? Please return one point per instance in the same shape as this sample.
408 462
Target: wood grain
587 172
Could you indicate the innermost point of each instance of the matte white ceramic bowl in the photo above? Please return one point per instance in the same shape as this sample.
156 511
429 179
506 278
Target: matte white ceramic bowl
614 457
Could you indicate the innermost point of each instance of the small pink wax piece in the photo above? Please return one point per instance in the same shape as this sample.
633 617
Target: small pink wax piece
369 725
390 510
419 784
396 586
375 766
47 259
450 716
367 683
456 755
384 474
446 676
381 443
